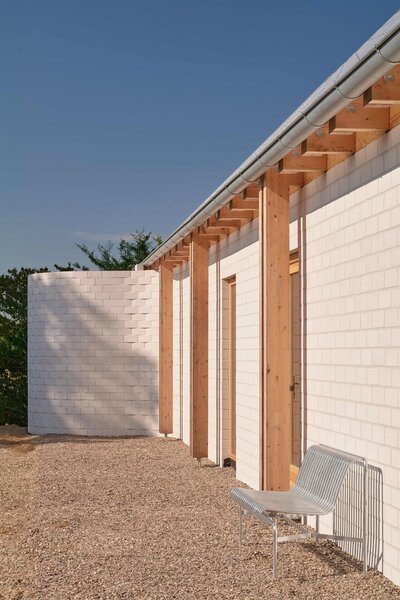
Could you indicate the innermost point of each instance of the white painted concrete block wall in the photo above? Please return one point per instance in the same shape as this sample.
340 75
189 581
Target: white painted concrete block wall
238 255
93 353
186 353
351 273
177 369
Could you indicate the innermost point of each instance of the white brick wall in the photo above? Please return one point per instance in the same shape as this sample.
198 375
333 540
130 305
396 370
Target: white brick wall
181 353
181 385
351 334
237 255
93 353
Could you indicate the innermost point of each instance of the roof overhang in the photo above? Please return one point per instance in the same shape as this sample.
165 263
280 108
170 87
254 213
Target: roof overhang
372 61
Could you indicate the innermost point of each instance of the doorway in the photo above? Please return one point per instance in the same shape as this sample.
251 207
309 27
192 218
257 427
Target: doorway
295 358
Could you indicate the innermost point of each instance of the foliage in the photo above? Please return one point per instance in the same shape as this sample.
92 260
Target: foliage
14 318
13 345
70 267
129 252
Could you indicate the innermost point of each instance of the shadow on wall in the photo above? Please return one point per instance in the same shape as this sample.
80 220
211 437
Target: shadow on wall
93 366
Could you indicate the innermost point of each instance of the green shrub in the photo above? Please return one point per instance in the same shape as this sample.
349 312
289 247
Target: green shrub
13 345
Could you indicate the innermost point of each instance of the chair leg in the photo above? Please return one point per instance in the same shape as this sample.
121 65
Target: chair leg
240 525
365 518
274 547
317 528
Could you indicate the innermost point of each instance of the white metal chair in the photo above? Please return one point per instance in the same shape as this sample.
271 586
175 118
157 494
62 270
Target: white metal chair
315 493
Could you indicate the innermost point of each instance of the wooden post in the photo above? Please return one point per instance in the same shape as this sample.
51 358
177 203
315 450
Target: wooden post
198 347
165 366
275 333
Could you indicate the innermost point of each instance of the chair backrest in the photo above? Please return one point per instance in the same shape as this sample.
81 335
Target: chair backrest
321 475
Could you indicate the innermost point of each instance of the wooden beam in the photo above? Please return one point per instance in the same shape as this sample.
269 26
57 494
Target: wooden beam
292 182
180 250
296 163
385 92
275 333
172 256
321 143
241 215
227 221
211 237
357 118
251 192
212 226
183 245
291 179
240 204
165 349
175 260
198 348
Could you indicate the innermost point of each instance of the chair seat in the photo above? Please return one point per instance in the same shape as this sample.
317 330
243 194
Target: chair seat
287 503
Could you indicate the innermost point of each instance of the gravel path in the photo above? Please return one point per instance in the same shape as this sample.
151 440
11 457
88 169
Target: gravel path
137 519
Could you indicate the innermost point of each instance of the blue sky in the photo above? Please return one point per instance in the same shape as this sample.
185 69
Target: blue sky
125 115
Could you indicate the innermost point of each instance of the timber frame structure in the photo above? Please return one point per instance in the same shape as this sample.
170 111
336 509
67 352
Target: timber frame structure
350 125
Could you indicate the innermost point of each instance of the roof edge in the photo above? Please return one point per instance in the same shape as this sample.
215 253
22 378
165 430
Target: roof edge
361 70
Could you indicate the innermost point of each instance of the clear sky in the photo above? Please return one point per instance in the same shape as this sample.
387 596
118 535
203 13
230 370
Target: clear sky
122 115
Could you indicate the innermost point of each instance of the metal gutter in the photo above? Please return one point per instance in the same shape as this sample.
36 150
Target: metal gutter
360 71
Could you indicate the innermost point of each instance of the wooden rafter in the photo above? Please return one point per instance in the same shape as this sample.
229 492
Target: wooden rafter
242 215
321 143
227 221
183 245
251 192
212 226
292 182
357 118
294 162
386 91
240 204
180 250
219 230
175 260
206 235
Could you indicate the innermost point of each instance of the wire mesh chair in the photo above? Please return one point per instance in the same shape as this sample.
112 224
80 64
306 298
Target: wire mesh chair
315 493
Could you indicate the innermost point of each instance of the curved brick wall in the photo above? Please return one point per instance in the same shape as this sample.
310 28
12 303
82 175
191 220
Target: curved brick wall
93 353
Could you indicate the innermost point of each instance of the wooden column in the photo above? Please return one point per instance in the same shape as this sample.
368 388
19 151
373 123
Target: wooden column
165 366
275 332
198 347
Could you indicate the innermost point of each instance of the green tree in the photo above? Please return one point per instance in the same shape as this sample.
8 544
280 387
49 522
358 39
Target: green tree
129 252
13 344
14 318
70 267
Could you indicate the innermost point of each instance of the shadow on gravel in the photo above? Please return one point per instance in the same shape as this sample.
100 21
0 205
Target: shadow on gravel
334 557
24 442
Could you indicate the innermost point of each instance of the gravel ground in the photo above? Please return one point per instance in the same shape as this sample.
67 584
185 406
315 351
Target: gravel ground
137 519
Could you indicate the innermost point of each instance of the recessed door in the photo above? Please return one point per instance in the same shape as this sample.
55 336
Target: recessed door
295 331
232 369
